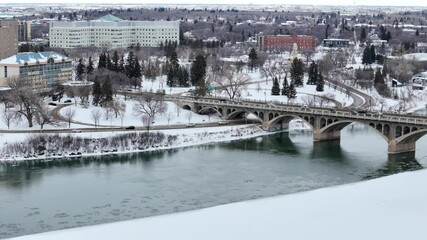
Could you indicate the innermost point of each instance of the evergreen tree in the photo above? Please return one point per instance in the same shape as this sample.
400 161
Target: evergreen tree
198 70
363 35
102 63
388 36
366 57
417 33
372 53
137 71
96 91
292 92
89 67
130 63
80 70
169 79
174 60
253 56
275 90
185 78
297 72
312 74
379 78
116 60
285 89
122 64
109 63
320 83
107 90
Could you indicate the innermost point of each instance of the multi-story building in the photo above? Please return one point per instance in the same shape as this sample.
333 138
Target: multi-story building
112 32
40 71
24 31
8 37
285 42
336 43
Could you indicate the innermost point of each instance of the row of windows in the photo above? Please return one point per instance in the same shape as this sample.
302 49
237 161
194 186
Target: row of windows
117 30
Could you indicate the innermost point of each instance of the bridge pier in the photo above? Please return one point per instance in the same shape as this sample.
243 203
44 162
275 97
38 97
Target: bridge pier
398 148
326 136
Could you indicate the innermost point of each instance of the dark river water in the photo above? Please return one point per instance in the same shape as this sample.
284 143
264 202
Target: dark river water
39 196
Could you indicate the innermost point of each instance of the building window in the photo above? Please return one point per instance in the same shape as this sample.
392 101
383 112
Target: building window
5 71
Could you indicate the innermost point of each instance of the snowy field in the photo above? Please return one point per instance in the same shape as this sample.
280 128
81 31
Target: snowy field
262 91
173 115
392 208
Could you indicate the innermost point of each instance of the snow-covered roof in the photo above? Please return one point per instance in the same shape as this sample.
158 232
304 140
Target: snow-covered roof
109 18
33 57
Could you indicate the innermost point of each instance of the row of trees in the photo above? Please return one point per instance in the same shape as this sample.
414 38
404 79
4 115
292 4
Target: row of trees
287 90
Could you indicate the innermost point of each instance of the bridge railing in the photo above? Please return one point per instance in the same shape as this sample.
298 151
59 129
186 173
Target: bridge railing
300 109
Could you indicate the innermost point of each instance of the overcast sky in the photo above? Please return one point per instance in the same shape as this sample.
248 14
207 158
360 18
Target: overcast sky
314 2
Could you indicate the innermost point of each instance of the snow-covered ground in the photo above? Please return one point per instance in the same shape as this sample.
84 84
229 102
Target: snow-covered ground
175 115
392 208
185 137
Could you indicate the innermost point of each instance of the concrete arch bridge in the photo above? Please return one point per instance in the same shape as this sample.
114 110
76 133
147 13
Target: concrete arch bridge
400 131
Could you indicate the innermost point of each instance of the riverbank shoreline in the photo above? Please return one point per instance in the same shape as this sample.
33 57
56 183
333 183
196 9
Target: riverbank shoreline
217 135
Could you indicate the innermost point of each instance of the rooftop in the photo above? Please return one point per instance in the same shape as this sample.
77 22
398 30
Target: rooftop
32 57
109 18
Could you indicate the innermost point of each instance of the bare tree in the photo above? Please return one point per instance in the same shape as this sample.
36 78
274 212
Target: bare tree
147 121
43 115
169 116
189 116
69 115
150 105
118 107
8 118
96 115
232 82
25 98
308 54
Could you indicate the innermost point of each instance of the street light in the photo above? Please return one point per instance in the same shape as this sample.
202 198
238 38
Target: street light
265 96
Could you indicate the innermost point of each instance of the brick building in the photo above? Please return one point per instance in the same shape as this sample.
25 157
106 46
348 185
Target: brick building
8 37
285 42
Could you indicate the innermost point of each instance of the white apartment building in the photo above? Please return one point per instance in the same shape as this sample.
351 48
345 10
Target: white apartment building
112 32
41 71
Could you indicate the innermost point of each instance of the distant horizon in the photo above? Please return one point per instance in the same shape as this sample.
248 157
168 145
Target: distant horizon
338 3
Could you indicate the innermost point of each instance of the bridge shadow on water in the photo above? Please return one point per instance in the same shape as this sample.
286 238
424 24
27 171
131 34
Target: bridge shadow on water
396 163
275 143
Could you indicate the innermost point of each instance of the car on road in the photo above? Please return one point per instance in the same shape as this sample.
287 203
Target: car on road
130 128
52 104
67 101
362 111
76 131
222 123
190 125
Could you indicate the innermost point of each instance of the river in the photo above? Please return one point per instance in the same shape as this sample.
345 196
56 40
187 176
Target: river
39 196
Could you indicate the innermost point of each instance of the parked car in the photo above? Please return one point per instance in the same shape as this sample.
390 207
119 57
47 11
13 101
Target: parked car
190 125
76 131
67 101
222 123
130 127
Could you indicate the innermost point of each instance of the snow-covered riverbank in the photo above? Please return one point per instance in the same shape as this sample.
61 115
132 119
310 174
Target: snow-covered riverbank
392 207
181 138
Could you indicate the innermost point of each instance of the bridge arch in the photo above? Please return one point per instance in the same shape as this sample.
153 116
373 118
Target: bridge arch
205 109
411 137
288 117
339 125
186 107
